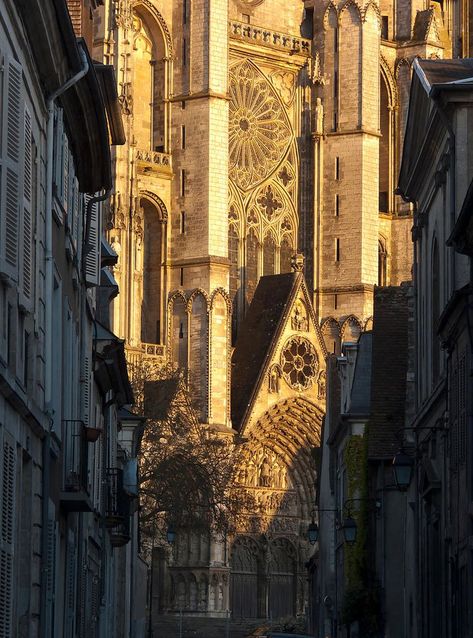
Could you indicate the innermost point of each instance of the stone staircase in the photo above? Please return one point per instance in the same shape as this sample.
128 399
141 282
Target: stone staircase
169 627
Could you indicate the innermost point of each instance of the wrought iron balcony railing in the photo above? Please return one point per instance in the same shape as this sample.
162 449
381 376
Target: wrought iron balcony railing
75 488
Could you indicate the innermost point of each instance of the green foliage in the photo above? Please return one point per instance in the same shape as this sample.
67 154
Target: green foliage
362 599
355 459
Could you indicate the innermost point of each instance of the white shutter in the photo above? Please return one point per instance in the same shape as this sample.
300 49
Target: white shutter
93 245
26 245
7 537
12 152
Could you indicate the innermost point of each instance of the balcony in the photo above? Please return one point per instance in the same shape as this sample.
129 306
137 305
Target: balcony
117 512
120 534
74 494
117 502
152 352
153 163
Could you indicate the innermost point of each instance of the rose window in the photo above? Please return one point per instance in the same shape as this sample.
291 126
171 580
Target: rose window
259 132
299 363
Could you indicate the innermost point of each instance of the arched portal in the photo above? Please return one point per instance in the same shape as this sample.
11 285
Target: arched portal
245 586
282 579
278 475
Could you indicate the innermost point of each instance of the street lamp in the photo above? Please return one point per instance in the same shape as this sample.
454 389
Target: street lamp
313 532
349 530
171 534
402 469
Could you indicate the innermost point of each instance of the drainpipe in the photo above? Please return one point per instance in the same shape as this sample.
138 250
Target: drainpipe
48 332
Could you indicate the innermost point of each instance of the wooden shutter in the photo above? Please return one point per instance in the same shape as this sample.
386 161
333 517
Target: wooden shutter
462 376
75 212
12 152
65 176
26 244
58 152
93 245
86 389
7 536
71 574
51 568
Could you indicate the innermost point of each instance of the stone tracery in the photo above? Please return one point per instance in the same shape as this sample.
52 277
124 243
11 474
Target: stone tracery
259 133
299 363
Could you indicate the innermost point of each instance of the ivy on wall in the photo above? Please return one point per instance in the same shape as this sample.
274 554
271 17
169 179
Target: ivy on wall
362 600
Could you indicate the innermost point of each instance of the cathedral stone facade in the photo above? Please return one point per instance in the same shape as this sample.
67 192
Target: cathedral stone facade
253 214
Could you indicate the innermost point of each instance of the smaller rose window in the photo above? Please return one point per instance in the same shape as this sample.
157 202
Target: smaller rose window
299 363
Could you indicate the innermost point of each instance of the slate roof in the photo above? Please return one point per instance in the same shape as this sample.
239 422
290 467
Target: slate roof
256 335
447 71
389 370
361 389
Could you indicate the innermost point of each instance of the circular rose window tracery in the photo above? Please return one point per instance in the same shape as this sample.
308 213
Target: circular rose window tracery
299 363
259 133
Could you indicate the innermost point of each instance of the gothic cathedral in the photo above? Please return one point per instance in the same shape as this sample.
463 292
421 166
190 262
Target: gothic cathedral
254 211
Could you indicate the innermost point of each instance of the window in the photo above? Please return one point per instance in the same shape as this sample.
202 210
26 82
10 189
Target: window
182 229
183 137
182 186
26 356
184 11
337 205
9 334
337 249
184 52
382 263
182 276
385 27
245 18
337 168
183 104
435 311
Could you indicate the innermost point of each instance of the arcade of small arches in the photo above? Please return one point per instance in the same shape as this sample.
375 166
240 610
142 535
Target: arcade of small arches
337 332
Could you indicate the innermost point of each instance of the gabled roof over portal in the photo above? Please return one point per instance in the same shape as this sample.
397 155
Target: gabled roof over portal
279 303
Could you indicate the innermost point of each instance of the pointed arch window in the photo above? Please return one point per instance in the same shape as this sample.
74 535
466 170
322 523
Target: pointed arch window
235 279
152 250
251 264
269 255
382 263
285 255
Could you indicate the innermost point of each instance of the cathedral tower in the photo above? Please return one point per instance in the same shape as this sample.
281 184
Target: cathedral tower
349 43
199 319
